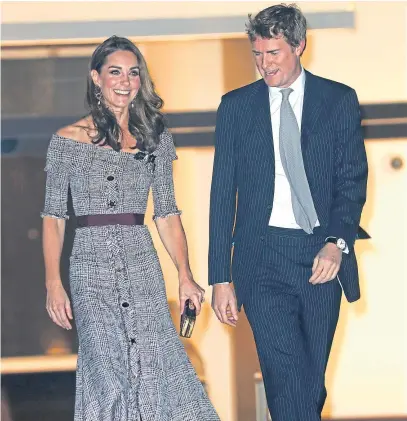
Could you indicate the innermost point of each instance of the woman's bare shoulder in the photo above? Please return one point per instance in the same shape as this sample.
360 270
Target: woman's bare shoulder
81 131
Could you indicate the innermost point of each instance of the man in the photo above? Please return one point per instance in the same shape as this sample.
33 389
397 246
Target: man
288 188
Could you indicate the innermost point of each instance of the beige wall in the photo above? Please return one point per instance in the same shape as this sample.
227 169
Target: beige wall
198 85
368 369
213 344
367 57
374 64
367 374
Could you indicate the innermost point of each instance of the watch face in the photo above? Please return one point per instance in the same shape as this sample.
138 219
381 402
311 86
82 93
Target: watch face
341 243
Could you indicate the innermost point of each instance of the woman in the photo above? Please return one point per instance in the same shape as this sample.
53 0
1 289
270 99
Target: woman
131 364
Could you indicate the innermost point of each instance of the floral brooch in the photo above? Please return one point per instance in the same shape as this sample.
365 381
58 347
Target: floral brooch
147 158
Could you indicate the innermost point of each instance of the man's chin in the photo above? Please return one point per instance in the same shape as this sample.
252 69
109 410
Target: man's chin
272 81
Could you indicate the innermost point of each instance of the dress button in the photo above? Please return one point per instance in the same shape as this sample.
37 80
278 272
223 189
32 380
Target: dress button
112 203
110 178
125 304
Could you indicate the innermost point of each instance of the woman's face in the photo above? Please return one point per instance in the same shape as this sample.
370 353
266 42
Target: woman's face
119 80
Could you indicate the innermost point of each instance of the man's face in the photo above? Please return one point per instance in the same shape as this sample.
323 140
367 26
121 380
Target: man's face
277 61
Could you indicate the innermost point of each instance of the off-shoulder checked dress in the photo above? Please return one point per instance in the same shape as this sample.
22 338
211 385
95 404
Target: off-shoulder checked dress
131 363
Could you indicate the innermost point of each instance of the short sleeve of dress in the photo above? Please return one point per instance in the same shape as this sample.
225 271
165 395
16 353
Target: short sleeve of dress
163 183
57 168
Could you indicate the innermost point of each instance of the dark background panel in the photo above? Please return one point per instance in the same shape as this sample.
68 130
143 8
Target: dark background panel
39 396
26 327
49 86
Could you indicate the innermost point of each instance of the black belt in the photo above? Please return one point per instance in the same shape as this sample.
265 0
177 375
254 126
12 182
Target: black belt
110 219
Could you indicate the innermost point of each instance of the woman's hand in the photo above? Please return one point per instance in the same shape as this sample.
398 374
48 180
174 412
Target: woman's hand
189 289
59 306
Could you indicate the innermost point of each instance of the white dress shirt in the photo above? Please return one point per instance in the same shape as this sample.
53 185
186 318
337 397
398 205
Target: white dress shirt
282 214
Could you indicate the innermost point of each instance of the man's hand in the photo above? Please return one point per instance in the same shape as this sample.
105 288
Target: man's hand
326 264
224 304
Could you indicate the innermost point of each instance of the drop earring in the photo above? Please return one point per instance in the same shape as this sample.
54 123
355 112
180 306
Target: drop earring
98 95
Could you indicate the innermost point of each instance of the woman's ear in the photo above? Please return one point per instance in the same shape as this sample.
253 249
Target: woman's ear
95 77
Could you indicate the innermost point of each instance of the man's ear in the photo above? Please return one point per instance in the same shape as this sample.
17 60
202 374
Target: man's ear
300 49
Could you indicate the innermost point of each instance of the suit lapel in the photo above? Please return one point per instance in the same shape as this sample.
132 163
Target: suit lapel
312 108
262 121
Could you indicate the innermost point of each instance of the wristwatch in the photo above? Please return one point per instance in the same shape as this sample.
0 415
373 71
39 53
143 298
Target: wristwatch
339 242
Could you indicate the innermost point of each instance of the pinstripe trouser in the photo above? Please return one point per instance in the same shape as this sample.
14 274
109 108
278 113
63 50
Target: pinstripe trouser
293 323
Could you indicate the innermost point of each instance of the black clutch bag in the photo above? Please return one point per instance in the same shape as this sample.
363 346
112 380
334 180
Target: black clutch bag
188 318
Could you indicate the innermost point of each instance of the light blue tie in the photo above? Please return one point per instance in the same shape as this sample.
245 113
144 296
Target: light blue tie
293 164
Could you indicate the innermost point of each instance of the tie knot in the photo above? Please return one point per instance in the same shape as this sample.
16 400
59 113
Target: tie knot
286 93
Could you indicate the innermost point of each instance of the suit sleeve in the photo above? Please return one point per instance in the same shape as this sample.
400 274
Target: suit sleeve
350 173
223 196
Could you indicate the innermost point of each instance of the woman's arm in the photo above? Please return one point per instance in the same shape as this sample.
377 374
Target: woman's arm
168 222
173 237
53 233
53 230
57 304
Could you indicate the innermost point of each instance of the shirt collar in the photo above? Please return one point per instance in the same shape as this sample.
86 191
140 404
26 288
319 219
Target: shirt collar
297 86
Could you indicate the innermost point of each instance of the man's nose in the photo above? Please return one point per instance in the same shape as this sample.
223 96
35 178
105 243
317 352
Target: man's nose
266 61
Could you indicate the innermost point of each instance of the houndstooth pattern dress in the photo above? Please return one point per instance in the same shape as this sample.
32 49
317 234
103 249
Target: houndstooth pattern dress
132 365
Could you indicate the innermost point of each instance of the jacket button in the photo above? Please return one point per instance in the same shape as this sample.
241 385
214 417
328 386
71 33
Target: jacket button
110 178
125 304
269 207
262 238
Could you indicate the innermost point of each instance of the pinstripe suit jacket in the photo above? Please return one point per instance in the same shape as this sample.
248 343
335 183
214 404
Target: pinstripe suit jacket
243 176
